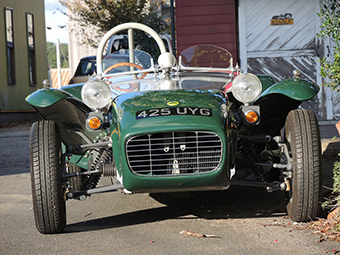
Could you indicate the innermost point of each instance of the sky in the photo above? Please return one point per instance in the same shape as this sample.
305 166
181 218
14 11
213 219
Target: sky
55 20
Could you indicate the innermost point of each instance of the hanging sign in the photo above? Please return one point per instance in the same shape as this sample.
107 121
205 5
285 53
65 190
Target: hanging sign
283 19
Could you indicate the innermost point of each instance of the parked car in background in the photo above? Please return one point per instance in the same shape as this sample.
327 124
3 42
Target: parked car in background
87 65
117 43
85 68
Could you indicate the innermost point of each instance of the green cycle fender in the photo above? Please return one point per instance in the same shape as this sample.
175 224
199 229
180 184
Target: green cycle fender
297 89
266 81
46 97
74 89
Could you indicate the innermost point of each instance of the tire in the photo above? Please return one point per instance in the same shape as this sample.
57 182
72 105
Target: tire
77 182
47 192
303 137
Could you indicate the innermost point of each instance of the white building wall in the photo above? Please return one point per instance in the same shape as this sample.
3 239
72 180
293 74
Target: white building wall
76 49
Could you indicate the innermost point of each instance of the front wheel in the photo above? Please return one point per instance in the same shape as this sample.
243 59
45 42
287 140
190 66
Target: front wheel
303 137
46 171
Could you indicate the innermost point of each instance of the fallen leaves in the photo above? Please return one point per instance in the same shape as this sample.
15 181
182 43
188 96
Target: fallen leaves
278 224
189 233
328 229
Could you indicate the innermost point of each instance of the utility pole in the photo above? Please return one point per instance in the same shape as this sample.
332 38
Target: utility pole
58 65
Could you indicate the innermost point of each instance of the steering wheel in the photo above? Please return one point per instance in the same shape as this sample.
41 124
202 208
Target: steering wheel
124 64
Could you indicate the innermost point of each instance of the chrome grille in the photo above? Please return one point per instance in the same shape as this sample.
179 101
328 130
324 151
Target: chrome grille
174 153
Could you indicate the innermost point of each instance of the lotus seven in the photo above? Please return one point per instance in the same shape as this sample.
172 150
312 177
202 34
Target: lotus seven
193 124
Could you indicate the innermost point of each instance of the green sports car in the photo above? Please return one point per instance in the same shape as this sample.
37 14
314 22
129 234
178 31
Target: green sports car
192 124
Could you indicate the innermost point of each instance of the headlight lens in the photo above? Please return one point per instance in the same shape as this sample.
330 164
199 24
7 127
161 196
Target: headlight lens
96 94
246 88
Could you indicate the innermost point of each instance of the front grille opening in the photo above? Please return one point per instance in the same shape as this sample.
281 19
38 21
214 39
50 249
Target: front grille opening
174 153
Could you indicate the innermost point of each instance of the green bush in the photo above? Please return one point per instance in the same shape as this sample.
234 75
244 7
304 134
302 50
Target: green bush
334 200
330 72
330 68
336 178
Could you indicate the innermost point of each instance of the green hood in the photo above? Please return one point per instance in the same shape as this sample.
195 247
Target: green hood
189 109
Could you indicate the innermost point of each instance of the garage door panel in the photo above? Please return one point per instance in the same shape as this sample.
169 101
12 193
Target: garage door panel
277 50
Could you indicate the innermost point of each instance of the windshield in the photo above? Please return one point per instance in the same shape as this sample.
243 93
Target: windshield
176 83
120 59
210 56
210 68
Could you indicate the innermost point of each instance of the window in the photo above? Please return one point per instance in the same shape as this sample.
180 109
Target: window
31 49
10 46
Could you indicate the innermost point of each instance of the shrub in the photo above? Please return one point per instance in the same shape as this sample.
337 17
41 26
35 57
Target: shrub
330 68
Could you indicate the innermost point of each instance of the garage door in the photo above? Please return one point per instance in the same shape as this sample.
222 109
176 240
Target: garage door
277 37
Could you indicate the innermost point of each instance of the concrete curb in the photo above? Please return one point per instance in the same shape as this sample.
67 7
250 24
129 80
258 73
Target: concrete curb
330 147
24 133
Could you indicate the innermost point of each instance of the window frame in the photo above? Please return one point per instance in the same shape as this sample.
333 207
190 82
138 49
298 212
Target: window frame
10 49
31 49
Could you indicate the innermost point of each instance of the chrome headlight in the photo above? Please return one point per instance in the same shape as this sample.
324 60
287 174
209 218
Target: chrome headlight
96 94
246 88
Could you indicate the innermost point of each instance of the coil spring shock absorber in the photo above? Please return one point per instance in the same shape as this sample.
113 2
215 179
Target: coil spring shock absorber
93 179
246 150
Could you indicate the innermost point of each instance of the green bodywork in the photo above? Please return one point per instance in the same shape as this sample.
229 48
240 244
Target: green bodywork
125 125
266 81
70 114
75 89
297 89
46 97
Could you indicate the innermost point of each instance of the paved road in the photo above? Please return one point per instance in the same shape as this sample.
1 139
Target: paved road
244 220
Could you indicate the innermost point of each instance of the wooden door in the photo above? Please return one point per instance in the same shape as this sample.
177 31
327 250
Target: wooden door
206 22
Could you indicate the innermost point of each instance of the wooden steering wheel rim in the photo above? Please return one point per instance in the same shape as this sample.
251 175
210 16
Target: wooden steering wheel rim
124 64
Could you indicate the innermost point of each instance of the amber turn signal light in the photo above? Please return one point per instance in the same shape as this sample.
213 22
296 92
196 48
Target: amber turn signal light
94 122
251 117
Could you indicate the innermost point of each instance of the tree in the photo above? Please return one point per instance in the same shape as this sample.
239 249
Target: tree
330 69
52 55
106 14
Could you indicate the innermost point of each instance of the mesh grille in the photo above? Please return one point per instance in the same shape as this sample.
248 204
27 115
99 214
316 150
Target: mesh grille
174 153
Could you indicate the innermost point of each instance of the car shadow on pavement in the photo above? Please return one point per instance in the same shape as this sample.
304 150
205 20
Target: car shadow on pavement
234 203
237 202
